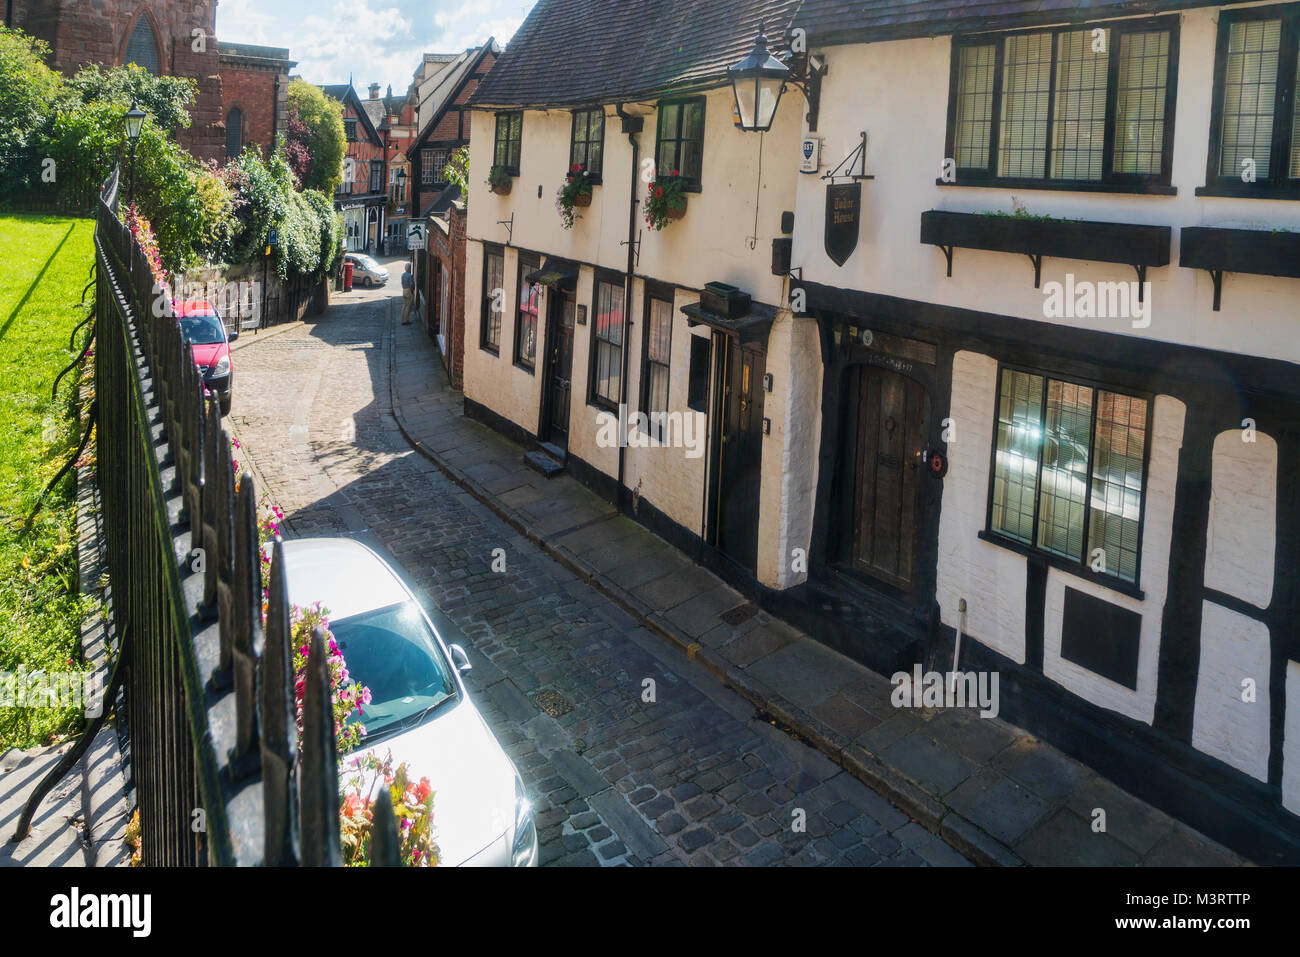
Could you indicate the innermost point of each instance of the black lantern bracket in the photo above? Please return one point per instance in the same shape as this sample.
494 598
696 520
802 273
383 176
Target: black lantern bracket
509 224
859 154
806 74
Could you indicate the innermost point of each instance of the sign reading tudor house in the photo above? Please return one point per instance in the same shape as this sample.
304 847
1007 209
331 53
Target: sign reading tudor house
843 217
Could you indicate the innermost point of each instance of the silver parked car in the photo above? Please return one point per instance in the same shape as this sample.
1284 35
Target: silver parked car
419 709
366 272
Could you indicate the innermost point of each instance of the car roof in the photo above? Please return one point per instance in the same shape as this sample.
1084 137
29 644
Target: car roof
195 307
343 575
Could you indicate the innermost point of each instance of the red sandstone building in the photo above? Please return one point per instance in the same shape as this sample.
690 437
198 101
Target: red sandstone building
172 38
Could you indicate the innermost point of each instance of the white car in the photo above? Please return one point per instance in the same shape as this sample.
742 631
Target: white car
419 709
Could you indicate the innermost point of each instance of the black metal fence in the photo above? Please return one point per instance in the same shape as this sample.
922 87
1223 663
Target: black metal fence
216 767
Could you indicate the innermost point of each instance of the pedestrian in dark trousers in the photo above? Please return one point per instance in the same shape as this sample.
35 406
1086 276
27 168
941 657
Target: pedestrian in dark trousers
408 294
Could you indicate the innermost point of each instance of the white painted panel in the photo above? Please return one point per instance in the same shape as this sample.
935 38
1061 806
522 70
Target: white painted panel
1157 531
1291 740
1242 531
989 578
1233 648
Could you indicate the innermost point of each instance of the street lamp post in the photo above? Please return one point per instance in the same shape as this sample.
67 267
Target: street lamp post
134 122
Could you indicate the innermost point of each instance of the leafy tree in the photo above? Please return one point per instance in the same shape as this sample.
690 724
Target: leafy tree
457 172
319 133
264 198
27 89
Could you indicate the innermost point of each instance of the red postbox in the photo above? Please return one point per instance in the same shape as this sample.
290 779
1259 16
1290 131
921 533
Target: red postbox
347 276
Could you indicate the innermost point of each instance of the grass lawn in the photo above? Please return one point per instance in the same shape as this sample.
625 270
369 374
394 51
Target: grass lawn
44 265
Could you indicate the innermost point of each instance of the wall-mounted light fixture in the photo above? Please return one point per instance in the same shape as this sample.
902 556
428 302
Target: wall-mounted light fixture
760 78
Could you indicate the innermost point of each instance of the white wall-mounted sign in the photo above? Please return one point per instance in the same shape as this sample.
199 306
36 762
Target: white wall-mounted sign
415 235
810 154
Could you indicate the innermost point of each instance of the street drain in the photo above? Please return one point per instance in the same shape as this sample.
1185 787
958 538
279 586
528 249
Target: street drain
775 722
741 613
553 703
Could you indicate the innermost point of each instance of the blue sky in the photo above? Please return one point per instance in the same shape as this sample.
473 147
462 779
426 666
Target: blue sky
375 40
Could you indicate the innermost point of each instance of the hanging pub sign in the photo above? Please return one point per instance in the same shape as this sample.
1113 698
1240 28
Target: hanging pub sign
843 220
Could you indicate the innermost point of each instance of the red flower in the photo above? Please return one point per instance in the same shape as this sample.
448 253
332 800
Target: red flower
659 192
673 173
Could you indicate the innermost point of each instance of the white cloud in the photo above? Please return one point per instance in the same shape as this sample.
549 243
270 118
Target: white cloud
372 40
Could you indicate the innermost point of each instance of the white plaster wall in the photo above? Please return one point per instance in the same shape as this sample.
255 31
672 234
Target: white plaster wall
1291 741
991 579
1157 531
1233 648
494 380
712 243
794 361
666 475
1242 530
898 92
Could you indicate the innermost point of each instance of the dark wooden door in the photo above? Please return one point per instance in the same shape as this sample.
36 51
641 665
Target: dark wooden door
891 423
740 459
560 373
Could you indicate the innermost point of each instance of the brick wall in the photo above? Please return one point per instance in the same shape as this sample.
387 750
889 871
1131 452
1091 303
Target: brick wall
456 298
252 91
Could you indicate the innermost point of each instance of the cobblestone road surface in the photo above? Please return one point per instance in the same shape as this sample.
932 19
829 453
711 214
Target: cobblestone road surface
692 777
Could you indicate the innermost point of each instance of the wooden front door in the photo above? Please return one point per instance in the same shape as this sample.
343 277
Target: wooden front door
741 453
559 372
891 423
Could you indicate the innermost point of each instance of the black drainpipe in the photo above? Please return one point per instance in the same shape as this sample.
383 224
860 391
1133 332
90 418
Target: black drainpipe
632 125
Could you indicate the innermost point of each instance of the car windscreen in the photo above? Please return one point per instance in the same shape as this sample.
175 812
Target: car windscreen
202 330
393 652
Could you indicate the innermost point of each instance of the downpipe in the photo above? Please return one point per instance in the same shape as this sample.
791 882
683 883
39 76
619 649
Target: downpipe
631 126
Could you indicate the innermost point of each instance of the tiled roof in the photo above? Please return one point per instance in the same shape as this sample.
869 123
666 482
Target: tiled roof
830 22
571 52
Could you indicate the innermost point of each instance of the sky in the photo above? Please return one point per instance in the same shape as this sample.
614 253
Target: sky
379 41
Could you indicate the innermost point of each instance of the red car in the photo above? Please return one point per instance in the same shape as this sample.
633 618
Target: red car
203 329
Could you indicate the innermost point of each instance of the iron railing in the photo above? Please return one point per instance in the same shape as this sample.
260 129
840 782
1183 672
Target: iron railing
218 773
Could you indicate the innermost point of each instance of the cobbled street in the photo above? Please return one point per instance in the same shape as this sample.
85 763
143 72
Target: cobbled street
692 777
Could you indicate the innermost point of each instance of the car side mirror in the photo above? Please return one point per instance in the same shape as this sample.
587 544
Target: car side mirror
460 659
234 334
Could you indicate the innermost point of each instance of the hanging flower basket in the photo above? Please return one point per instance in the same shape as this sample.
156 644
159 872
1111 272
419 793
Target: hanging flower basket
665 201
500 181
575 193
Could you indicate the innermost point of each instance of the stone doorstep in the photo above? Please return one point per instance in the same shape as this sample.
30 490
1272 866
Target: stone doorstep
910 796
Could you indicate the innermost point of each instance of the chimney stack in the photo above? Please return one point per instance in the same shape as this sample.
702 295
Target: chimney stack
374 91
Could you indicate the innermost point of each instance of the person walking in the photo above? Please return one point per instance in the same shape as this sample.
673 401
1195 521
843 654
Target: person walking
408 294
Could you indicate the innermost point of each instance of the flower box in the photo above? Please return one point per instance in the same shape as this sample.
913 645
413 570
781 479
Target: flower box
582 200
1135 245
503 189
1260 252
